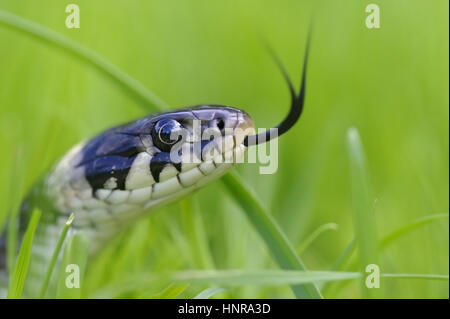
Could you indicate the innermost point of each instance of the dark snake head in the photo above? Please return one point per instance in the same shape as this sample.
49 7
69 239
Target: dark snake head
178 139
133 166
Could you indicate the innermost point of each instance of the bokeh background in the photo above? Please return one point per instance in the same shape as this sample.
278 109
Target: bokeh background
390 83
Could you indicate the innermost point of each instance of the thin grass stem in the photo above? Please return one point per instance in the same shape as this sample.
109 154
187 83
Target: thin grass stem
55 255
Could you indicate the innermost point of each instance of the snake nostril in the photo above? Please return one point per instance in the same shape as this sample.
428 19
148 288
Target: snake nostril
220 124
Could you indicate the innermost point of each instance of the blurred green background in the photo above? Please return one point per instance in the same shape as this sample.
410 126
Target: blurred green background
390 83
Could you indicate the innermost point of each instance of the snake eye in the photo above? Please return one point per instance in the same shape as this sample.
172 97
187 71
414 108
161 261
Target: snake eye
166 133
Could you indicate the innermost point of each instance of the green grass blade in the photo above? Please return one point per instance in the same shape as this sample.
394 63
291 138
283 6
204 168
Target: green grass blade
340 263
314 235
281 277
55 255
344 257
13 208
417 276
48 36
388 239
275 239
260 277
171 292
407 228
362 206
195 232
75 253
23 260
208 293
236 278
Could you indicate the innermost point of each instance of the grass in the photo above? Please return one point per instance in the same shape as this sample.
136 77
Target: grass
363 214
278 244
19 275
419 222
282 277
208 293
52 38
55 255
75 253
232 278
406 147
314 235
170 292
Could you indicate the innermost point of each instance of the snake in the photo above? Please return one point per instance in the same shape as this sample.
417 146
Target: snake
112 180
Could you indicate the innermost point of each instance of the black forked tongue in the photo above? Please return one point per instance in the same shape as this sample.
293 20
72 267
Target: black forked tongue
297 101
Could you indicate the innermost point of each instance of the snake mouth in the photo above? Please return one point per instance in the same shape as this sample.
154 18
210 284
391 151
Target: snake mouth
245 128
221 146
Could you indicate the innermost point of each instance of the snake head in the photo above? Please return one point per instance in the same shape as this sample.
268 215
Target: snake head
198 133
186 138
149 161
